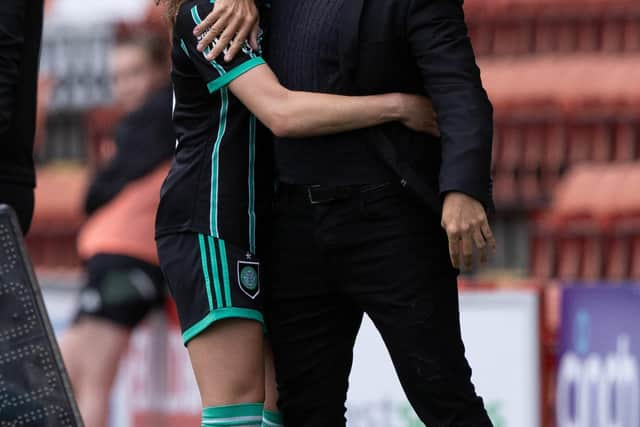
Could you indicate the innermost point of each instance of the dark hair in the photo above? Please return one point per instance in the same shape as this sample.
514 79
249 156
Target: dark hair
151 43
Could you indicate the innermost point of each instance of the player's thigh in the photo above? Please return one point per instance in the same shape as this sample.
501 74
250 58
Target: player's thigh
218 294
270 384
92 349
228 362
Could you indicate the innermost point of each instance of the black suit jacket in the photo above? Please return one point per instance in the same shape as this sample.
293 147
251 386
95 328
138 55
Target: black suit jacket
422 46
20 36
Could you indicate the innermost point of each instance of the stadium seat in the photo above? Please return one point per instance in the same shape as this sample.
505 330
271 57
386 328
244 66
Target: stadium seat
524 27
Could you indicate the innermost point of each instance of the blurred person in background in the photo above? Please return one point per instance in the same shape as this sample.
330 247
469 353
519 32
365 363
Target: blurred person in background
124 281
20 37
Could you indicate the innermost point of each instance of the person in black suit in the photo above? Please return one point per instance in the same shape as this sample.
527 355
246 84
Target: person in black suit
20 37
377 221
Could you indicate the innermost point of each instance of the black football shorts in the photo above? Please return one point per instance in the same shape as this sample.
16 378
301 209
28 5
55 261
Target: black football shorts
210 280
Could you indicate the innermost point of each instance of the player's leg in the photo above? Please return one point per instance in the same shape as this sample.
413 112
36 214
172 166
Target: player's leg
312 327
120 291
228 362
271 415
92 350
409 289
217 289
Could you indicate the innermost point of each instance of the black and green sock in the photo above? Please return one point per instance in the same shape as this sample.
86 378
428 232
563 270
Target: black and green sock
271 419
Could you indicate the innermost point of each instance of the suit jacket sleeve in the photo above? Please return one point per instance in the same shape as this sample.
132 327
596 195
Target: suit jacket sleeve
439 42
11 40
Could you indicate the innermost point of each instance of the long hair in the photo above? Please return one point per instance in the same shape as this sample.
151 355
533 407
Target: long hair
172 7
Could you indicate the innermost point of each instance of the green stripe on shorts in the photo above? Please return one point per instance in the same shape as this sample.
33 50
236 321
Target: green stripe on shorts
205 269
216 274
225 272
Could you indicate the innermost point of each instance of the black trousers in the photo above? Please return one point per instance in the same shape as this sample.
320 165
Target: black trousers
377 252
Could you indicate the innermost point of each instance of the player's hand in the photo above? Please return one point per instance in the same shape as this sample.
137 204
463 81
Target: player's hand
465 221
231 22
417 114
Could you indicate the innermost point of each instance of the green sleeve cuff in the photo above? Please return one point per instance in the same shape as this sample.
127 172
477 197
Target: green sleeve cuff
227 78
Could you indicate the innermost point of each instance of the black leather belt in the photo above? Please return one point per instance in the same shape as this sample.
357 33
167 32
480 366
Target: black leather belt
320 194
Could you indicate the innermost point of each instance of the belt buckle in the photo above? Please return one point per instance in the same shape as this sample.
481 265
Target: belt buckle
313 200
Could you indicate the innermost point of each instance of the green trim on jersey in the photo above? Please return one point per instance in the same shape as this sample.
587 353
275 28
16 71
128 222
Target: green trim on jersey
221 314
197 20
252 184
215 162
184 48
205 270
230 76
215 155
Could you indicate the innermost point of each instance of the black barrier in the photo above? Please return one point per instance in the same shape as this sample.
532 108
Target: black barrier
34 387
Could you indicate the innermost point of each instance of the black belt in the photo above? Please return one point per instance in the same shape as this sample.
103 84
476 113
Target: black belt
321 194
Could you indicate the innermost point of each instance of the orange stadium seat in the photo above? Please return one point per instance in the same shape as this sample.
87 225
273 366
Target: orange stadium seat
516 27
552 113
592 229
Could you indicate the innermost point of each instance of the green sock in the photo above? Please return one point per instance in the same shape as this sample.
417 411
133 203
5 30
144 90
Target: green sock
245 415
271 419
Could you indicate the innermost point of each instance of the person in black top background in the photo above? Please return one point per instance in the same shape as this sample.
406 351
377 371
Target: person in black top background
373 221
20 37
123 279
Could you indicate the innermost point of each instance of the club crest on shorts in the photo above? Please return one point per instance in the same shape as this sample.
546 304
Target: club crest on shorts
249 278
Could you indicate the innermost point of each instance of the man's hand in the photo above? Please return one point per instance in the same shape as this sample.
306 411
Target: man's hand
232 22
465 221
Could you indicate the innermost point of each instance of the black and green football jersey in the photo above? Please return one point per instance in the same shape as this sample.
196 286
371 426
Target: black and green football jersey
220 181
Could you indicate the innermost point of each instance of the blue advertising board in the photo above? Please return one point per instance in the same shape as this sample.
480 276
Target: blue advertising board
598 383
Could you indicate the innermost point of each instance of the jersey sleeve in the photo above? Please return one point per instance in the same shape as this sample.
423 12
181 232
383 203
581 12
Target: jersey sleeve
216 73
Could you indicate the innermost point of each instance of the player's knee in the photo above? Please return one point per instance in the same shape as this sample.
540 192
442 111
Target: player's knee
248 386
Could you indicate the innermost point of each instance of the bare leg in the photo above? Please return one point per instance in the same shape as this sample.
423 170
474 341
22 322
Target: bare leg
92 350
228 362
271 387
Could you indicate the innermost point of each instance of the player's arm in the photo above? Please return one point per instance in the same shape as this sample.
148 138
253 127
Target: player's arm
289 113
297 114
11 41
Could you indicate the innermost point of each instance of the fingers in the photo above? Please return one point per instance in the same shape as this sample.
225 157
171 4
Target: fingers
481 244
467 251
225 40
253 38
488 235
209 21
465 221
461 245
432 129
229 40
454 250
211 27
228 26
237 43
